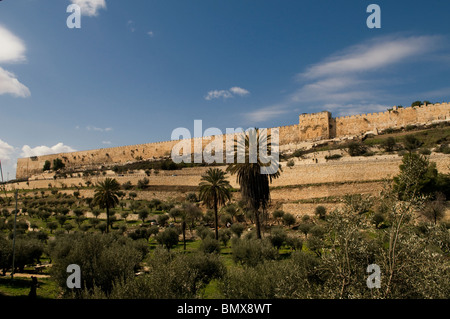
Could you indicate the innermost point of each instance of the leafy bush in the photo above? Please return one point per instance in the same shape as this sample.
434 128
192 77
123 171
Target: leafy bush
277 237
333 157
289 219
287 279
320 212
425 151
173 276
356 149
237 229
204 232
411 143
168 238
143 183
210 245
103 259
252 252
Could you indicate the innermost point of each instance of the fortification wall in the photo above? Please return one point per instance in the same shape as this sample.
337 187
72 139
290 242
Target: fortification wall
397 117
311 127
314 126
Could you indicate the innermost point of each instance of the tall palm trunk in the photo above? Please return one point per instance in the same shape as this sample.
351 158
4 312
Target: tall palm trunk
216 218
184 234
107 219
258 226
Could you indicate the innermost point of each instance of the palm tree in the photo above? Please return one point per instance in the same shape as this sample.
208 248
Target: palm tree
214 190
254 184
106 196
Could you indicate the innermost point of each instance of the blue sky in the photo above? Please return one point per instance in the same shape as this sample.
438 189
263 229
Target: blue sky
136 70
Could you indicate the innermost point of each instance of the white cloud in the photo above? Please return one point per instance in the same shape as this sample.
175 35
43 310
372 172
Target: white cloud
266 113
373 55
27 151
12 50
150 34
90 7
106 142
239 91
10 85
226 94
98 129
216 94
6 151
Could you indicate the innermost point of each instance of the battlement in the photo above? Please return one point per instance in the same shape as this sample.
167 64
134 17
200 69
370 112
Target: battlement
311 127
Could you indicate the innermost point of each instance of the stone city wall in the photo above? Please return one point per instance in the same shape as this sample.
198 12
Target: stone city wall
311 127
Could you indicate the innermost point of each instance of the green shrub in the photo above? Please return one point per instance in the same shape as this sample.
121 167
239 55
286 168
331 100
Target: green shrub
277 237
210 245
173 276
168 238
356 149
103 259
237 229
320 212
252 252
204 232
333 157
289 219
425 151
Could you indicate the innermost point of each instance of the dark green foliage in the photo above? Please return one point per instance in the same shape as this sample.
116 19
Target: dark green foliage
389 144
320 212
143 183
289 219
168 238
237 229
333 157
419 177
252 252
162 219
204 232
47 166
411 143
287 279
225 236
210 245
103 259
278 237
58 164
173 276
356 149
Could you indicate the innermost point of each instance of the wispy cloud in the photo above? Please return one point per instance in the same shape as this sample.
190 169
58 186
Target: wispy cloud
27 151
150 34
226 94
130 25
352 81
90 7
373 55
266 113
12 50
106 142
239 91
98 129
